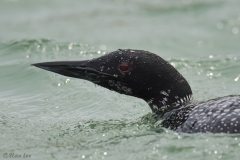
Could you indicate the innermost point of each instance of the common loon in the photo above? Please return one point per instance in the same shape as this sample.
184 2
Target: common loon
147 76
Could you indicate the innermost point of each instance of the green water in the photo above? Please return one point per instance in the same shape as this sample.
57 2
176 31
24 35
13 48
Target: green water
49 116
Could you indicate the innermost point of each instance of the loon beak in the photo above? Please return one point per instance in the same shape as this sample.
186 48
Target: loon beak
76 69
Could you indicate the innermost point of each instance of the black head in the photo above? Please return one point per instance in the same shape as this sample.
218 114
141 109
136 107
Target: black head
132 72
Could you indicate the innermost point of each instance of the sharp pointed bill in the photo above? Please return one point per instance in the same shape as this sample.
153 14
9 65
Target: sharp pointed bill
76 69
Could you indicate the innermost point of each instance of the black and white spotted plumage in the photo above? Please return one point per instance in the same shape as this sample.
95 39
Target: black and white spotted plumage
221 115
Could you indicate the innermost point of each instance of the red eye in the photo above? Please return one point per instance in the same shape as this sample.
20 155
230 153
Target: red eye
123 66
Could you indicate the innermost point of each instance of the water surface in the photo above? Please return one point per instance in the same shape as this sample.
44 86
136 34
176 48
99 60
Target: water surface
54 117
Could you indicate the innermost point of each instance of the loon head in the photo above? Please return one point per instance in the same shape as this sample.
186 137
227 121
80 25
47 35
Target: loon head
136 73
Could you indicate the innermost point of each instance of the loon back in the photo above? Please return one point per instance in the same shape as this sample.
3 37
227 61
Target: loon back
221 115
144 75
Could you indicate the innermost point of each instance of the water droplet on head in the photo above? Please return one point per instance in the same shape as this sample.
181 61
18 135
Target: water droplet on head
164 93
102 67
119 51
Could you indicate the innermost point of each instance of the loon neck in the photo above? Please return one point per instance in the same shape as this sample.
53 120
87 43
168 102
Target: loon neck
166 103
